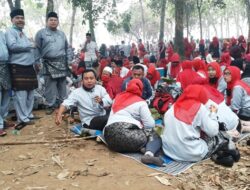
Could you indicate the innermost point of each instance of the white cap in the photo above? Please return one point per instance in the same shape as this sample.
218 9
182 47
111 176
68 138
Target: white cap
108 69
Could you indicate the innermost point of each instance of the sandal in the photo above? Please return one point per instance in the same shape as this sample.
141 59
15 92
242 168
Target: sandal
20 125
2 133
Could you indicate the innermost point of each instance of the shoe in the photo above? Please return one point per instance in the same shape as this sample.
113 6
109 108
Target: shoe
50 110
2 133
146 159
7 125
35 118
226 161
30 122
20 125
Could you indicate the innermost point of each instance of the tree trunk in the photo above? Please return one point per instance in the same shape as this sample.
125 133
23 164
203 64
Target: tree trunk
178 41
143 20
72 24
187 20
16 5
162 22
221 27
91 21
247 2
199 4
50 7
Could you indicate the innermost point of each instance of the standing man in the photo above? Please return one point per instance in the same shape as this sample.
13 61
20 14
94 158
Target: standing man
23 75
4 82
52 48
91 52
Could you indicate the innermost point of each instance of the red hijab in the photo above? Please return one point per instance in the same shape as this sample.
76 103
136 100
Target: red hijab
188 104
225 59
215 41
132 95
216 67
235 74
153 75
185 77
213 94
175 69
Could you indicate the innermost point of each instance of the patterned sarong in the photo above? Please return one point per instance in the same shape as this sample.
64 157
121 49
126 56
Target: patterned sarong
23 77
124 137
56 68
4 76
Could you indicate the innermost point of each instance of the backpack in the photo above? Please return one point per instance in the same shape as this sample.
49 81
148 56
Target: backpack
162 101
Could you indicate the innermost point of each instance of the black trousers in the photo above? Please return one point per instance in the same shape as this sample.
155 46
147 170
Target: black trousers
97 123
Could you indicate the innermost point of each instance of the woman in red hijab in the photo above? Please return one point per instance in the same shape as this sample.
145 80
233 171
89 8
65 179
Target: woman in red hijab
225 60
174 67
129 117
153 76
215 78
238 95
184 122
214 48
186 76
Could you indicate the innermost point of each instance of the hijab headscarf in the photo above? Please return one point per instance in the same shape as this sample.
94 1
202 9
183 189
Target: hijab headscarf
188 104
132 95
235 74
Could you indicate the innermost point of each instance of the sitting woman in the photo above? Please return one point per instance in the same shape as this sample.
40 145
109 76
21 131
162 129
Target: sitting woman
215 78
238 95
185 121
153 76
130 124
111 81
187 75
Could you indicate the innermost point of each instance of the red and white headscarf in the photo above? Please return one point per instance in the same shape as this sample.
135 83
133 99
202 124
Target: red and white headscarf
235 74
132 95
188 104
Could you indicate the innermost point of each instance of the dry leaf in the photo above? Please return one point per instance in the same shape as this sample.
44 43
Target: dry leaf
8 172
58 161
36 188
63 175
163 180
154 174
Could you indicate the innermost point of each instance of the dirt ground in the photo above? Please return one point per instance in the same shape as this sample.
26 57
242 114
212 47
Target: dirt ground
87 164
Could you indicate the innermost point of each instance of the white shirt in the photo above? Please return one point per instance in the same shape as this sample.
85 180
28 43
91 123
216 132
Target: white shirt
90 53
137 113
87 107
124 71
181 141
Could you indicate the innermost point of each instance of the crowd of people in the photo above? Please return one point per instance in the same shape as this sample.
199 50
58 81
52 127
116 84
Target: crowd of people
115 88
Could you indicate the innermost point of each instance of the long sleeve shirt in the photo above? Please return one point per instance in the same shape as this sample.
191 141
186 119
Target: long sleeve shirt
137 113
240 99
87 107
51 44
181 141
4 55
147 93
20 47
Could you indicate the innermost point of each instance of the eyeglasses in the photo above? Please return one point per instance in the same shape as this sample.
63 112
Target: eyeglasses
227 73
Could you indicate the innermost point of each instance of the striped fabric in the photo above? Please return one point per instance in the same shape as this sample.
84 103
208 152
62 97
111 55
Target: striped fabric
23 77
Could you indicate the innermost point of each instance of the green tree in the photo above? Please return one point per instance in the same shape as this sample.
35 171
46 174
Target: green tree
178 40
16 4
94 10
50 6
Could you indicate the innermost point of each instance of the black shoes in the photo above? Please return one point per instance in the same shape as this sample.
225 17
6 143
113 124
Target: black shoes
146 159
226 157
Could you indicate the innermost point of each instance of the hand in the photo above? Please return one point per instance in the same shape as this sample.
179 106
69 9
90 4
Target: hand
98 99
58 119
37 67
213 109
